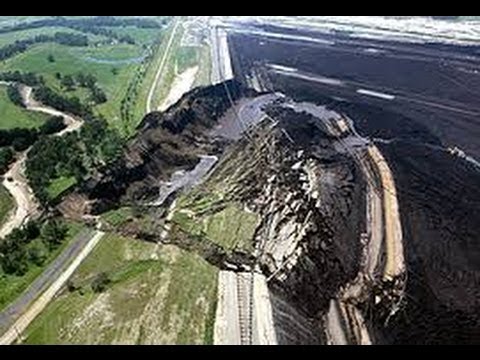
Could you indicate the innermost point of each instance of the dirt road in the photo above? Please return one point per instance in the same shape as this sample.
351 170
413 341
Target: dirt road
14 180
72 123
395 263
25 204
181 85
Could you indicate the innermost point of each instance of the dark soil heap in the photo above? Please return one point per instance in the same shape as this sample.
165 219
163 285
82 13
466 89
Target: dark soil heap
165 142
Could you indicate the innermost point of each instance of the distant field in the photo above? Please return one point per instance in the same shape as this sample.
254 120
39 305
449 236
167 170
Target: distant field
11 37
10 20
12 116
157 295
119 52
12 286
6 204
115 66
141 36
70 61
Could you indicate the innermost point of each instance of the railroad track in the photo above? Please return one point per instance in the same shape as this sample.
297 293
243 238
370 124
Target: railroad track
245 306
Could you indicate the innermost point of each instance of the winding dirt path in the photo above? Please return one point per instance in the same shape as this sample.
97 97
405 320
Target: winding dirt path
25 203
72 123
14 179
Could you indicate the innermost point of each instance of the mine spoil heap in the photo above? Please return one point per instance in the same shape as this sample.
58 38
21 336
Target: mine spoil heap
309 197
310 200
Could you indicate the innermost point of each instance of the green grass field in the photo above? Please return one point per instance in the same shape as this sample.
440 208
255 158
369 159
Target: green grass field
12 116
6 204
69 61
12 286
118 216
157 295
58 186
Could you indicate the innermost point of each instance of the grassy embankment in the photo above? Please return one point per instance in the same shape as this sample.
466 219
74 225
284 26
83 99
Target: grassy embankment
204 212
156 294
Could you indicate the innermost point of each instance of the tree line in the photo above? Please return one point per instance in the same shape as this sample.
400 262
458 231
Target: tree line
95 25
62 38
27 78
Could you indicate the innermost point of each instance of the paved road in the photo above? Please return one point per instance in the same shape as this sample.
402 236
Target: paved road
46 279
227 327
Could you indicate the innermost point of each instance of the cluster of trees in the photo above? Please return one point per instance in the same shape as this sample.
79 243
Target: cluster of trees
14 95
51 158
53 125
28 78
21 139
63 38
89 81
71 105
73 154
18 251
6 158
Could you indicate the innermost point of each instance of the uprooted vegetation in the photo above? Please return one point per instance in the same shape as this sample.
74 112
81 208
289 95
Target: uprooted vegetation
166 142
